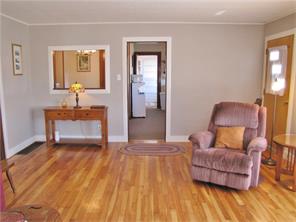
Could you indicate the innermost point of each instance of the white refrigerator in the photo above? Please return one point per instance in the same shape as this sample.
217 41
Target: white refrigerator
138 100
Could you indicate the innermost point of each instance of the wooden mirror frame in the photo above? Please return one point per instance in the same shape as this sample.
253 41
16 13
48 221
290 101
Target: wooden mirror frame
51 49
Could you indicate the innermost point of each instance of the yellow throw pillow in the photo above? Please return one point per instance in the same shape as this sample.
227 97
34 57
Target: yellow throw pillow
230 137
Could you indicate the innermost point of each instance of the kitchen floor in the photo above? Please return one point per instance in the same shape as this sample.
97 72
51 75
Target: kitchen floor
150 127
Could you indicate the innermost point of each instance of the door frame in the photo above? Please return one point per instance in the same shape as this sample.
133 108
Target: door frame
293 73
3 114
158 54
168 41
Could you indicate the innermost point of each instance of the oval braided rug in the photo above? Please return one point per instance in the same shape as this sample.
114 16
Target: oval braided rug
152 149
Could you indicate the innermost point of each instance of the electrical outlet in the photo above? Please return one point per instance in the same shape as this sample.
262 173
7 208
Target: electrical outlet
118 77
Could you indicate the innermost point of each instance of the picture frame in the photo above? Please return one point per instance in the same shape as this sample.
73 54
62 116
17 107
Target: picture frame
83 63
17 59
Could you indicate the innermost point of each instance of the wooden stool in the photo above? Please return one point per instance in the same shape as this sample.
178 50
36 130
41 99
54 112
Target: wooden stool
286 141
5 168
36 213
11 217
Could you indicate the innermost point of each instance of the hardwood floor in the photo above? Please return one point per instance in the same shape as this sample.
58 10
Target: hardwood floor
85 183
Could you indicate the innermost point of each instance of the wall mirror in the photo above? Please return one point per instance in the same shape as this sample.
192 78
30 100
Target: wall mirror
87 65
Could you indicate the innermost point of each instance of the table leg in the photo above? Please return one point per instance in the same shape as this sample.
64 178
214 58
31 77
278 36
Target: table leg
104 126
10 180
294 184
47 132
106 129
103 132
279 156
53 129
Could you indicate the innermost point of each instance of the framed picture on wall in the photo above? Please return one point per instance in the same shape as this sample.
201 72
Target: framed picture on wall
17 59
83 63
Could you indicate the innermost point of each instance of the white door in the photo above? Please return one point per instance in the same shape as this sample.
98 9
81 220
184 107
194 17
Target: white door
147 66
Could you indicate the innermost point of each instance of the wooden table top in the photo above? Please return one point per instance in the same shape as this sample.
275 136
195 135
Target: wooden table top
288 140
72 108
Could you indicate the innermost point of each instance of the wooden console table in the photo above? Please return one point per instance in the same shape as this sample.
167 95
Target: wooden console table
54 113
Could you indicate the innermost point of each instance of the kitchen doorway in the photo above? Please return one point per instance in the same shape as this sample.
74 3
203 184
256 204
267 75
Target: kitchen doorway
146 70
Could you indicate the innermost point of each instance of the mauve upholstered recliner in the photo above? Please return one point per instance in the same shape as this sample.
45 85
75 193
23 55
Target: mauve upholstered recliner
227 167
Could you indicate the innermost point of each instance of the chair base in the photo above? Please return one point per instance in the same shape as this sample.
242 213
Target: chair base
232 180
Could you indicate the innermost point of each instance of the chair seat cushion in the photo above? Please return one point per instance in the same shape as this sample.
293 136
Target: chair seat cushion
224 160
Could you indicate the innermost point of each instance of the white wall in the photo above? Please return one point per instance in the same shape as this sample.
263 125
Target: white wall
210 63
17 90
280 25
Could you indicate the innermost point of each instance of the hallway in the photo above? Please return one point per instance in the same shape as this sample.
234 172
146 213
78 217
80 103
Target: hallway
151 127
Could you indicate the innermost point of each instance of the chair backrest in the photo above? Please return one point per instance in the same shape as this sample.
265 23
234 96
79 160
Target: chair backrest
250 116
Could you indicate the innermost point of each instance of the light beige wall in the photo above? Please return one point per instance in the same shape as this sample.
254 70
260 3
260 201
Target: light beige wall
87 79
210 63
17 89
282 25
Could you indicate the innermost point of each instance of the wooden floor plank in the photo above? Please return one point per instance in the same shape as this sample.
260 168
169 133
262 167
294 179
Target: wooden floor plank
87 183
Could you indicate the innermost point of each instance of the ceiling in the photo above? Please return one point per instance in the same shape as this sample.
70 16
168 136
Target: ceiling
141 11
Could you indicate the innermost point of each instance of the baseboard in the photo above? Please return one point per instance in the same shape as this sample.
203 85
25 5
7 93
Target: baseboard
117 139
110 138
14 150
182 138
39 138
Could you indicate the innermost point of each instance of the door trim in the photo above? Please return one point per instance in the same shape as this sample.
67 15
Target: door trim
168 41
293 73
3 113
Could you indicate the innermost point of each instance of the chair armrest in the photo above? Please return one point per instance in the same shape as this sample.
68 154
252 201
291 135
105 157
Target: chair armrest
202 140
258 144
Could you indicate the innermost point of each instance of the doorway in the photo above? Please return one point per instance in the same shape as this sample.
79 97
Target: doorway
146 83
278 62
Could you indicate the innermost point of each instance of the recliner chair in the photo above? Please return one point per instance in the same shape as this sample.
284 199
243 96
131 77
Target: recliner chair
228 167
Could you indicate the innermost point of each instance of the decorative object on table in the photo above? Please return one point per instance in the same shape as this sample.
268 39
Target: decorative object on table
17 59
275 85
83 62
152 149
76 88
225 166
64 103
286 141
